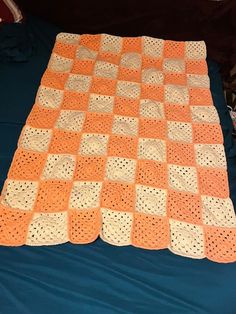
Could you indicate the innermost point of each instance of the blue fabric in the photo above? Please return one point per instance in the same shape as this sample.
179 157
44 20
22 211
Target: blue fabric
226 125
15 42
100 278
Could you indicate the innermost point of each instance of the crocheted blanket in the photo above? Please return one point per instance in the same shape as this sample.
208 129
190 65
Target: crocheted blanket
124 143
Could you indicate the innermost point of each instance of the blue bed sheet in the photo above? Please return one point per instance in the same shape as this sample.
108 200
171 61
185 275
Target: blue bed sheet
100 278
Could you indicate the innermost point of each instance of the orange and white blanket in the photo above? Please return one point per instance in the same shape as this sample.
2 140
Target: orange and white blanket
124 143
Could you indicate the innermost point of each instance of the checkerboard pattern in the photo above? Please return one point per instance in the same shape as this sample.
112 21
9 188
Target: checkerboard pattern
123 142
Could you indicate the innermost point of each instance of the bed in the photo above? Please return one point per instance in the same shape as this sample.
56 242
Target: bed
100 278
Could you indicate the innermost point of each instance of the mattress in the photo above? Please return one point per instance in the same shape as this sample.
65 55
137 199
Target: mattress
98 277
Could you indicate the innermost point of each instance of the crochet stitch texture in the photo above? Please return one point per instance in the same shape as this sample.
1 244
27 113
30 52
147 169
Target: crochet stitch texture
123 142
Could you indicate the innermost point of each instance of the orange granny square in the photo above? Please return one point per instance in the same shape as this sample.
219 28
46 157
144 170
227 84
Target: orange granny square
84 226
126 106
118 196
126 74
207 133
53 196
84 67
97 123
180 153
174 49
196 67
155 92
54 79
150 232
65 50
103 86
41 117
90 41
109 57
213 182
152 128
184 206
75 101
148 62
64 142
152 173
123 146
200 97
177 113
27 165
90 168
220 244
13 226
132 44
175 78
